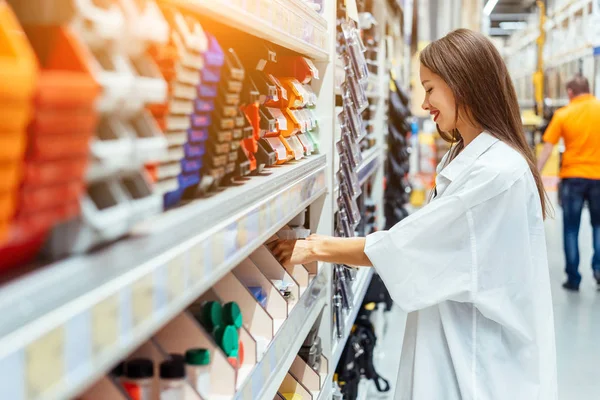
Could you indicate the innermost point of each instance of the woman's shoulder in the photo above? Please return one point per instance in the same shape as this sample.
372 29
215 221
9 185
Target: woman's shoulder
502 161
493 173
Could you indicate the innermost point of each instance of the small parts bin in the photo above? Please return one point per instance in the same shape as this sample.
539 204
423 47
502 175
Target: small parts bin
186 115
18 77
53 178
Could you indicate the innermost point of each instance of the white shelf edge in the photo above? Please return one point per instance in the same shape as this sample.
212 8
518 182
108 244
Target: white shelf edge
261 21
61 295
267 375
325 393
360 289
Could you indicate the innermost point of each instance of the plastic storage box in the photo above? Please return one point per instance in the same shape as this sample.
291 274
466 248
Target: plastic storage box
59 137
18 77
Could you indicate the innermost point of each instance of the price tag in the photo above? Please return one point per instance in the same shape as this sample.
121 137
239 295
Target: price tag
266 368
274 210
286 197
141 298
218 249
279 18
45 363
351 10
198 263
176 278
263 219
282 206
242 232
274 359
252 6
287 17
279 349
105 324
272 10
252 224
265 10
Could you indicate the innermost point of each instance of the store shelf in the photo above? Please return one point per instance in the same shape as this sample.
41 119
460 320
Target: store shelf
84 314
360 287
372 159
289 23
266 377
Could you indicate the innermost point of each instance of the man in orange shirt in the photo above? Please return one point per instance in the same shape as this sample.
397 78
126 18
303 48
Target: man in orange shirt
579 126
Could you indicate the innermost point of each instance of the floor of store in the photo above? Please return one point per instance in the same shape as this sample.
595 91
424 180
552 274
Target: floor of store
576 318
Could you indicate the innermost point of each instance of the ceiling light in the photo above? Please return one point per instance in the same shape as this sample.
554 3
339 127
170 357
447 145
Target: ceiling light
489 6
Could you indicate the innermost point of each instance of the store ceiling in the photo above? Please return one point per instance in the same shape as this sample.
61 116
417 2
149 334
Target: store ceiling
511 12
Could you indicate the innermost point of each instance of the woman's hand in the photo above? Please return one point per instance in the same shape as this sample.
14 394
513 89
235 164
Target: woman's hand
295 252
328 249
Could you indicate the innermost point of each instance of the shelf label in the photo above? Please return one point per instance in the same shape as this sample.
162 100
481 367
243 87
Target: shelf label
218 249
78 347
273 360
263 219
176 277
252 7
265 369
252 221
105 324
198 263
282 206
242 232
279 349
45 363
265 10
351 10
142 299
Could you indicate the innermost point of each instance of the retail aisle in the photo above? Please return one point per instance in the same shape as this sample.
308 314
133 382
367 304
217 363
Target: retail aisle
576 316
577 322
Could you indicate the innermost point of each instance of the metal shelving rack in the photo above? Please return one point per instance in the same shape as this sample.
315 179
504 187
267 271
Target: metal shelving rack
83 314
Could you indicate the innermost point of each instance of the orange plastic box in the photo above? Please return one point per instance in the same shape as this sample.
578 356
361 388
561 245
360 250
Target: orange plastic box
48 148
54 121
18 68
41 198
66 79
18 75
11 174
12 146
55 172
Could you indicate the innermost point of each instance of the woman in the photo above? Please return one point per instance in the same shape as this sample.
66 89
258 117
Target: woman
471 266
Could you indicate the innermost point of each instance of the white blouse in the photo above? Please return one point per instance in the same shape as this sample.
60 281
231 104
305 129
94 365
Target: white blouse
471 270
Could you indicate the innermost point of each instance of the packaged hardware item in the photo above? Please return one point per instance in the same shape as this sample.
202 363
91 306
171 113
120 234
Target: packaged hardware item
138 377
198 370
350 204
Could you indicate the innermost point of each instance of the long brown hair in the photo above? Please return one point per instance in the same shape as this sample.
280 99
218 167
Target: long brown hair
475 72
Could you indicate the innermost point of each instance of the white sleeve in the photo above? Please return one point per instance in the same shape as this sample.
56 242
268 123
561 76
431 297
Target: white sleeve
428 257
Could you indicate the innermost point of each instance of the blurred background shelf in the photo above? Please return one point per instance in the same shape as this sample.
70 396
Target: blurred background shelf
288 23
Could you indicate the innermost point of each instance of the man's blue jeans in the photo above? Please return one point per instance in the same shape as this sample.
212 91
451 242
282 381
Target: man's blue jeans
574 193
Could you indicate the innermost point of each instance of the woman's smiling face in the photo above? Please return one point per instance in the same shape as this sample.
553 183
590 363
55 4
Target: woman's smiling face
439 100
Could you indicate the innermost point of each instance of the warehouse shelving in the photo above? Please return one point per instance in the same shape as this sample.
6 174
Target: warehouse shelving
569 48
75 318
267 375
188 249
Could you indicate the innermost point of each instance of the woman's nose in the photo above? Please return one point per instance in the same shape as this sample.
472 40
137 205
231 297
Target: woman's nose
425 105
